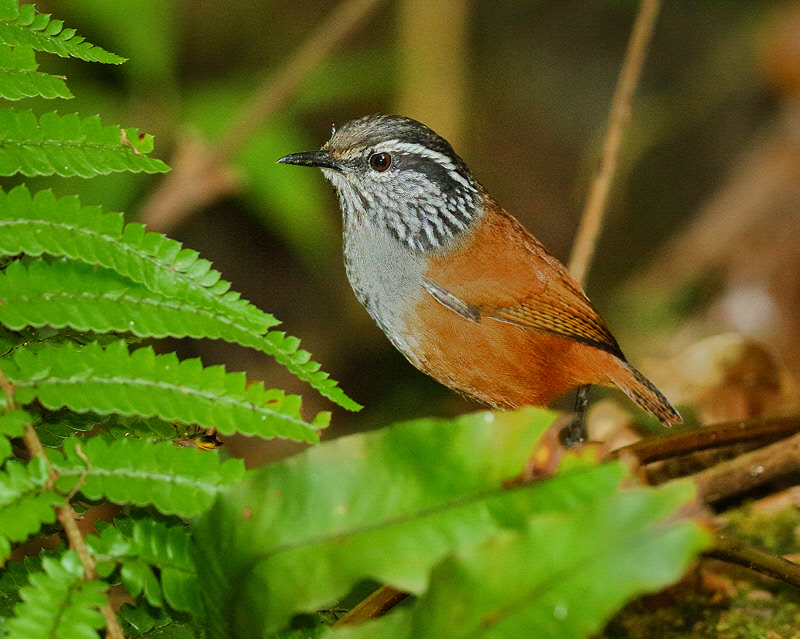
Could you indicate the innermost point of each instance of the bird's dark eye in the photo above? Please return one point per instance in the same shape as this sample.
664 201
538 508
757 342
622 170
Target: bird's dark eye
380 161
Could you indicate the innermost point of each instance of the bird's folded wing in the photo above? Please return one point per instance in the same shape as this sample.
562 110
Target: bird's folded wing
578 321
570 315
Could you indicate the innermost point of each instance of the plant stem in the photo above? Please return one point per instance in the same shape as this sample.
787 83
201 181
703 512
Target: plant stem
736 552
739 475
66 514
591 221
376 605
714 436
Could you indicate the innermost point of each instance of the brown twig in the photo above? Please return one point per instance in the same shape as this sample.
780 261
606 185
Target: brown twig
714 436
376 605
591 221
200 173
746 472
66 515
737 552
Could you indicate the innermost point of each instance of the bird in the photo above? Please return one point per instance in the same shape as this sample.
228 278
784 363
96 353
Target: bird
459 286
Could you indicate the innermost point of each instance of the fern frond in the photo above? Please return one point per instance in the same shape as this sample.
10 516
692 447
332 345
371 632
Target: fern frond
25 503
58 603
87 298
70 146
20 24
19 77
142 620
53 428
176 480
113 380
142 545
12 424
13 576
152 429
61 227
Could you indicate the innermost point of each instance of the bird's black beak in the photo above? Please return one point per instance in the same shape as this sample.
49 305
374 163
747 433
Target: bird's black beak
320 159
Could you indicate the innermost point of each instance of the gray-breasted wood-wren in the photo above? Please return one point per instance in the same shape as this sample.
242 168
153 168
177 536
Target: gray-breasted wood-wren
456 283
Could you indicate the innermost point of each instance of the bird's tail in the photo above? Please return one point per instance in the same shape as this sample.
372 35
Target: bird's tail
648 397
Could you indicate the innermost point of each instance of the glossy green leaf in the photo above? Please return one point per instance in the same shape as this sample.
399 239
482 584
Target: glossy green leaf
393 505
386 505
564 575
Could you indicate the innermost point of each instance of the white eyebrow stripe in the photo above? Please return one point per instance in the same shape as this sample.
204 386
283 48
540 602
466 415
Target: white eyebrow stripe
417 149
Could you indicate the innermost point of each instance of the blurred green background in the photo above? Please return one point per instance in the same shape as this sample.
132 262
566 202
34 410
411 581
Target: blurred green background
521 88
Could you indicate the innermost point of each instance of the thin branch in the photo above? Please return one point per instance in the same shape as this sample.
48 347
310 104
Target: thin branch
746 472
714 436
66 515
591 222
201 174
737 552
376 605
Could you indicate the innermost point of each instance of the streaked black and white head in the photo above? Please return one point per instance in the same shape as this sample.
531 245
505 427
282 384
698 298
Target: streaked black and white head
394 171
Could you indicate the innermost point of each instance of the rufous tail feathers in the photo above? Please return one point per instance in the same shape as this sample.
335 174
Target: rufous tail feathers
648 397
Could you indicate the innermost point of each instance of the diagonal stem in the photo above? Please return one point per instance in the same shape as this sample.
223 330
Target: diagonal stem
66 514
735 551
200 174
591 222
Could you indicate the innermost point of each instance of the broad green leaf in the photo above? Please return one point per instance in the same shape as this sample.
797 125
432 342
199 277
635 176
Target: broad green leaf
19 77
61 227
114 380
392 505
386 505
70 146
20 24
566 573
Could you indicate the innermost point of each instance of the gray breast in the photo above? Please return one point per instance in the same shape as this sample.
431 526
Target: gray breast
386 278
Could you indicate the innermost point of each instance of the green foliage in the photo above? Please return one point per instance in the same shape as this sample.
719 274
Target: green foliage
68 145
19 77
123 426
176 480
112 380
56 602
20 24
12 424
443 522
25 501
155 559
178 281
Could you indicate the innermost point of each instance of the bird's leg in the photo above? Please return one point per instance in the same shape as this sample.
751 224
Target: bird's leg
574 433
